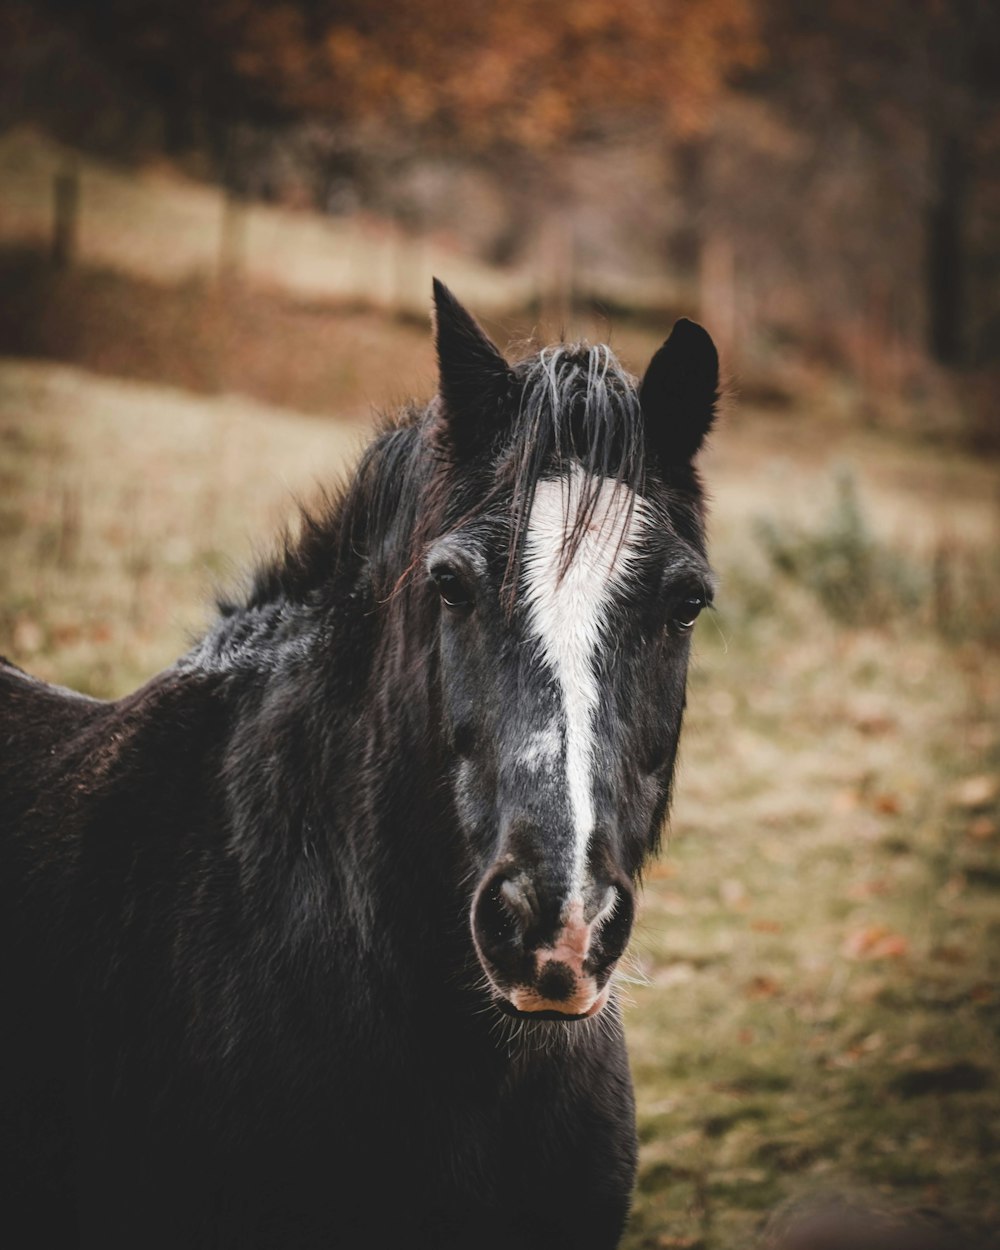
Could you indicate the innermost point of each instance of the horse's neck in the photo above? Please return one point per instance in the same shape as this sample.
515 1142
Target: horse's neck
334 753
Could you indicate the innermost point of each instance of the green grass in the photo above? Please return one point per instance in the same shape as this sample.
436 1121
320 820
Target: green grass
820 941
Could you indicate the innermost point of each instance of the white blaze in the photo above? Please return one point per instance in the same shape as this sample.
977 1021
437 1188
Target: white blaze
568 615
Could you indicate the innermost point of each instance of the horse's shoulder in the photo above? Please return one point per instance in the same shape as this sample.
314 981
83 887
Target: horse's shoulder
50 726
178 709
26 700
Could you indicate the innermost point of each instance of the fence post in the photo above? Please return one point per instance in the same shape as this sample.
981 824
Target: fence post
66 212
232 237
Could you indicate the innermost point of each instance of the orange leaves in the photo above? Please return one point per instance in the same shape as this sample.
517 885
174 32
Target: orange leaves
762 986
887 804
873 887
528 72
875 941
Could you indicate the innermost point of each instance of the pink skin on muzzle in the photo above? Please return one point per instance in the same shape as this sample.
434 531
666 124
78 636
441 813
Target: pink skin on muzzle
569 951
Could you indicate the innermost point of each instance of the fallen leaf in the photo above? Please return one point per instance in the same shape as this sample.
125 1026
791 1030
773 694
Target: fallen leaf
766 926
762 987
983 828
892 946
66 635
859 943
949 953
875 942
876 887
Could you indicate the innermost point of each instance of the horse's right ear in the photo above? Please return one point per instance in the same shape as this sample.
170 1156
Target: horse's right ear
679 393
474 380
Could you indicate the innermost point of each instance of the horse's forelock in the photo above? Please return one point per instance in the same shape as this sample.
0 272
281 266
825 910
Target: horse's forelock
578 409
574 408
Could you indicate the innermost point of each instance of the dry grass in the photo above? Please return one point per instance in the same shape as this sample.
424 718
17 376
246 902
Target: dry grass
122 505
821 938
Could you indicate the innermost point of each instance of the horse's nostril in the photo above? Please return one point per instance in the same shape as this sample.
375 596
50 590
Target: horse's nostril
495 916
604 907
517 900
613 922
464 740
556 982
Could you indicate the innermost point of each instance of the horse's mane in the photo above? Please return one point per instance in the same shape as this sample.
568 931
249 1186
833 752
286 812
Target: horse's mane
568 405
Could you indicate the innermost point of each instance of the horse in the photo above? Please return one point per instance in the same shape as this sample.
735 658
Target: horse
312 941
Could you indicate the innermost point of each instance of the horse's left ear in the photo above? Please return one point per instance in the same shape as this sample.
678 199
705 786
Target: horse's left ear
679 393
474 380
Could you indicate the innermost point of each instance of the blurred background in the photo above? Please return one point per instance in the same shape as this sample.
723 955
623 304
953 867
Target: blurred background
218 225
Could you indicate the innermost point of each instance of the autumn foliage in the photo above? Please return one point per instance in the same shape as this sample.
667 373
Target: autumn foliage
529 73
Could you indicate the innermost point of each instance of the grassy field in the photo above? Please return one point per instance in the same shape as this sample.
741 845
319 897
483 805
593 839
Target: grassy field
818 990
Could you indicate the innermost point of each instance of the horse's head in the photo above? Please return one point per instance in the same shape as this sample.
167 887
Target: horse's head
569 569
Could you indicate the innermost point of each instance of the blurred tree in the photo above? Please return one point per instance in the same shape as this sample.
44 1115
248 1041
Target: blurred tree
525 73
922 78
831 167
509 84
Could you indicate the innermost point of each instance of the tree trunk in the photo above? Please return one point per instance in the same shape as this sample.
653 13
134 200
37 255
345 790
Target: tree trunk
945 254
66 213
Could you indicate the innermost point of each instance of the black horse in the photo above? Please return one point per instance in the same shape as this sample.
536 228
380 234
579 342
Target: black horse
311 941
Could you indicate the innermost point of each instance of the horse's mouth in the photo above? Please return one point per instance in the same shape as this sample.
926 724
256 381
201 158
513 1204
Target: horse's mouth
548 1011
510 1010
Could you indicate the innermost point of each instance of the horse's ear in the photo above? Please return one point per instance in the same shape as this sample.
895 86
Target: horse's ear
679 393
474 380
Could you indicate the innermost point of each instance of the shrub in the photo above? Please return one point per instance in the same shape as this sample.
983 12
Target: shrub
857 578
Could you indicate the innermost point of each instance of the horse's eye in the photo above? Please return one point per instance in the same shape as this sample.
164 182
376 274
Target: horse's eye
686 613
455 595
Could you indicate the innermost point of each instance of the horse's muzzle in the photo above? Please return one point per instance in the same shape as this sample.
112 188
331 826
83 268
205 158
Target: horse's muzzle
550 958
